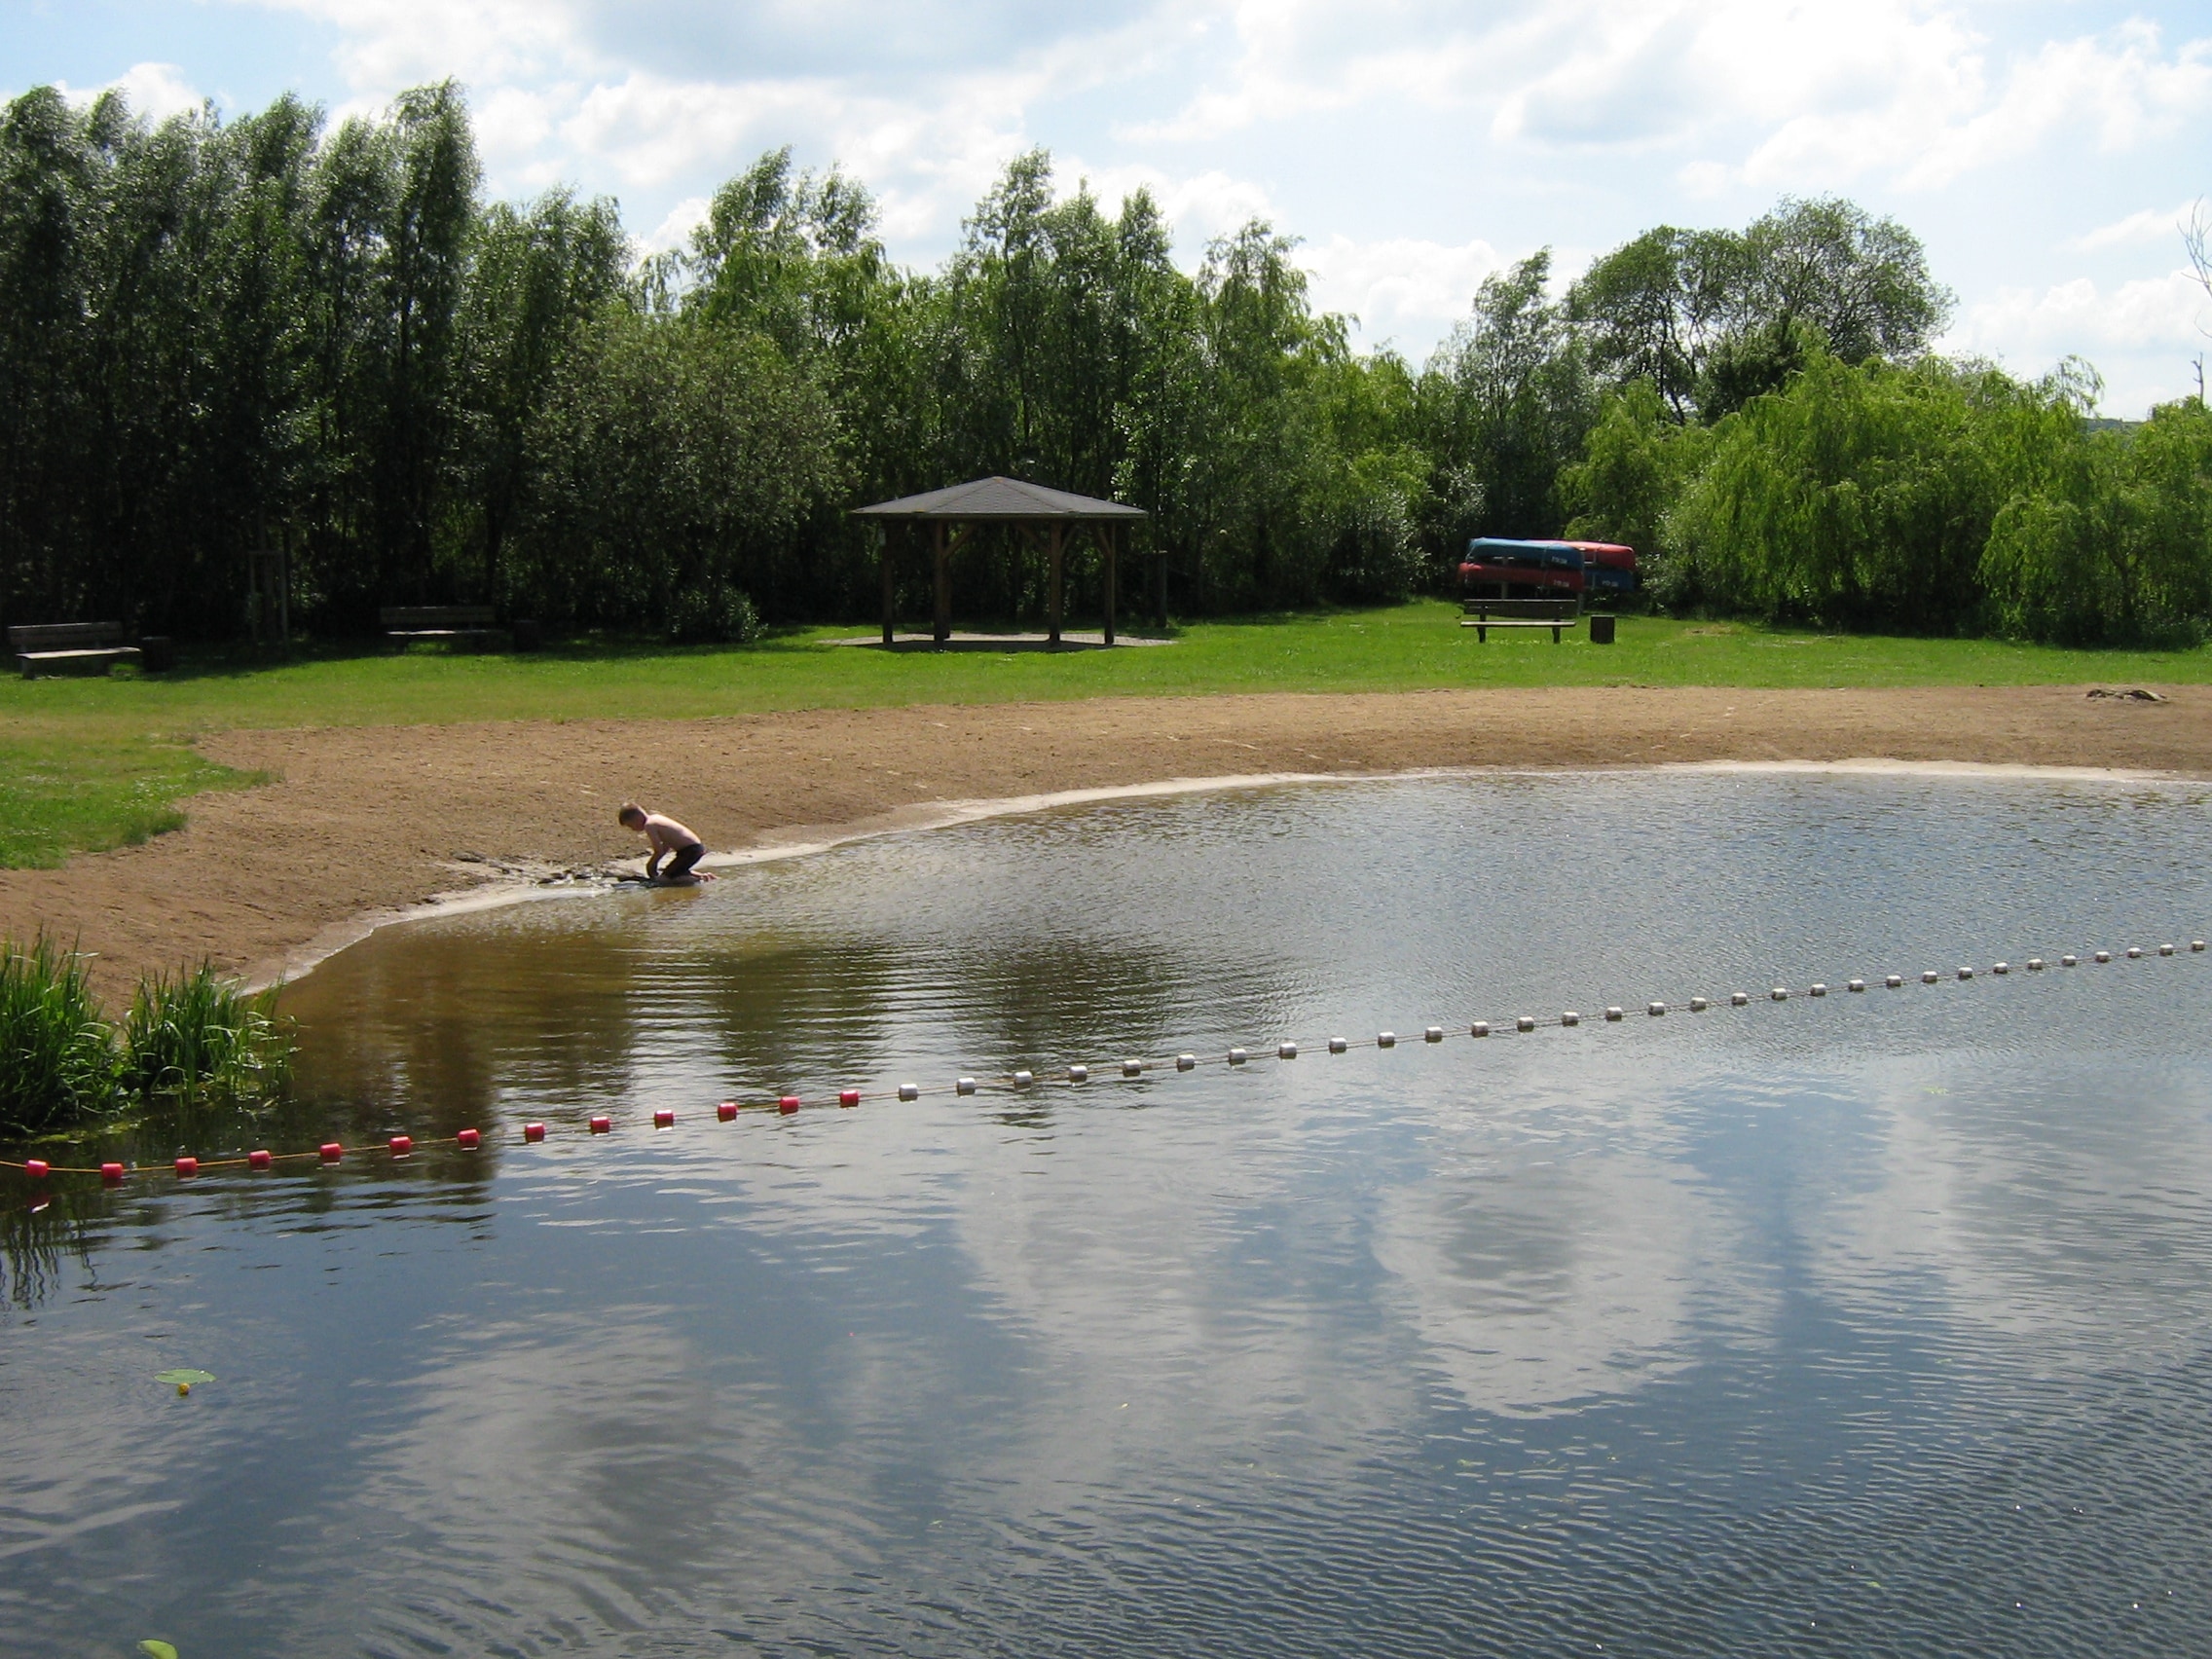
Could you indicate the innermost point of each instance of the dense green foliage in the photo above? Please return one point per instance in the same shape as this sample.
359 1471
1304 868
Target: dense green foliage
1932 497
236 354
187 1037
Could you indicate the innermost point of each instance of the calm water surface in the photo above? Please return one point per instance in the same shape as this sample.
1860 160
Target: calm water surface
1876 1324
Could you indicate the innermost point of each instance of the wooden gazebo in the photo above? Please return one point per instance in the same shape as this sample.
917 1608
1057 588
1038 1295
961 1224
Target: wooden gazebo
1048 516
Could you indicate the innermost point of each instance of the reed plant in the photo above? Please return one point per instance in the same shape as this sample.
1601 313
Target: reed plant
57 1055
190 1035
195 1034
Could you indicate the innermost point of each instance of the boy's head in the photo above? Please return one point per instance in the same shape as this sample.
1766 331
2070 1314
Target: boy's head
632 815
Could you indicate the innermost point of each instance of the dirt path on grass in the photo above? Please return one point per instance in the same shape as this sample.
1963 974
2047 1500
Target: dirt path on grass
366 821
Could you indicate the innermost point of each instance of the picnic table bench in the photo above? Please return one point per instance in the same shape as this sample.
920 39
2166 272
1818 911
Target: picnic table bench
1483 615
465 624
70 647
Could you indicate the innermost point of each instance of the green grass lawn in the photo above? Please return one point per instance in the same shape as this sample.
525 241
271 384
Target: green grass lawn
87 764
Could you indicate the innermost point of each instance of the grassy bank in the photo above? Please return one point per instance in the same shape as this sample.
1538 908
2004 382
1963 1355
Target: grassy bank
92 763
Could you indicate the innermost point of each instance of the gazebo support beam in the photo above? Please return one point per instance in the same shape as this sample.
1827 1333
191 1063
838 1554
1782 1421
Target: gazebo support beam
1055 557
883 558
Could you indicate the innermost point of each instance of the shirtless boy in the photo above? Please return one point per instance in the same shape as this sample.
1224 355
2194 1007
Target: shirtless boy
670 840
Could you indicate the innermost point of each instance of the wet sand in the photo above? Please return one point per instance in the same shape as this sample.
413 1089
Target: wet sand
368 821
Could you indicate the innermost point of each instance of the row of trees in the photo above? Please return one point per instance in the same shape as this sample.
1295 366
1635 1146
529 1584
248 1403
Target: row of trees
220 340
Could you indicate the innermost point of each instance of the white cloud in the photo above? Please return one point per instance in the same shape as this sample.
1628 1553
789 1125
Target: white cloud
2148 226
675 229
1400 281
2147 313
153 90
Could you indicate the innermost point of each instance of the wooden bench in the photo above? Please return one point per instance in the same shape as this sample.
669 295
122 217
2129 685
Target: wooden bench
1483 615
70 647
469 625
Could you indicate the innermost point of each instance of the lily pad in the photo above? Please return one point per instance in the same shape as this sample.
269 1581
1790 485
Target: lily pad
159 1649
183 1378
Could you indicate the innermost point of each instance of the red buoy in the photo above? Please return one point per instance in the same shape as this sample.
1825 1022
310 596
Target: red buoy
111 1171
258 1158
468 1140
403 1145
787 1104
332 1152
602 1126
726 1110
533 1132
849 1097
188 1166
664 1119
37 1169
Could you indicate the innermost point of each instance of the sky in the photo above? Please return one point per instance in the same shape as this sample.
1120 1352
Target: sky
2045 151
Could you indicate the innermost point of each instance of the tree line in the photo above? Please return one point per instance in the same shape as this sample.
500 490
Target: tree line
229 348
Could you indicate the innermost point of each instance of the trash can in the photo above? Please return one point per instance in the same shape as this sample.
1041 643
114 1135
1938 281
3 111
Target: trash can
1601 630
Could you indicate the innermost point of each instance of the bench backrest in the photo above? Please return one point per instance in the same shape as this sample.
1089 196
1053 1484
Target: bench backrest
1535 609
63 636
411 616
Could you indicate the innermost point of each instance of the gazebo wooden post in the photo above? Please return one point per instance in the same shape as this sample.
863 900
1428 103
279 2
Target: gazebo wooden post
883 558
1055 557
943 613
1107 539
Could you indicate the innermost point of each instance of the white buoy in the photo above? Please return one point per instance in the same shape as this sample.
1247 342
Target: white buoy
1999 968
1132 1068
2104 956
1524 1023
1655 1009
1433 1034
964 1086
1778 994
2197 944
1022 1080
1237 1056
1737 999
2034 964
1385 1039
2067 961
1079 1074
1185 1062
1930 978
1336 1045
1856 985
1286 1050
1819 989
1894 981
909 1092
1613 1014
2165 950
1698 1005
1965 973
2133 953
1480 1028
1570 1018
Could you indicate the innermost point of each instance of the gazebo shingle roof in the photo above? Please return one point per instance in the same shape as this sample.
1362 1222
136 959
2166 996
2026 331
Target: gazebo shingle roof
999 500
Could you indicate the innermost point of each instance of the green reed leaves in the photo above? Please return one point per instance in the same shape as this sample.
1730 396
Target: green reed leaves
57 1058
188 1036
195 1034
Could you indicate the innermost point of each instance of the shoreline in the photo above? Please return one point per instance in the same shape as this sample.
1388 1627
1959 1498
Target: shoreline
500 895
363 827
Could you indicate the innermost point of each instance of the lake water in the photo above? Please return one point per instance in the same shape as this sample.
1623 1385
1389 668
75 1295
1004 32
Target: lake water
1877 1323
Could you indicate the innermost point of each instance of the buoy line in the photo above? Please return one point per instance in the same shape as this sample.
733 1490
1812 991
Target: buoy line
1079 1074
